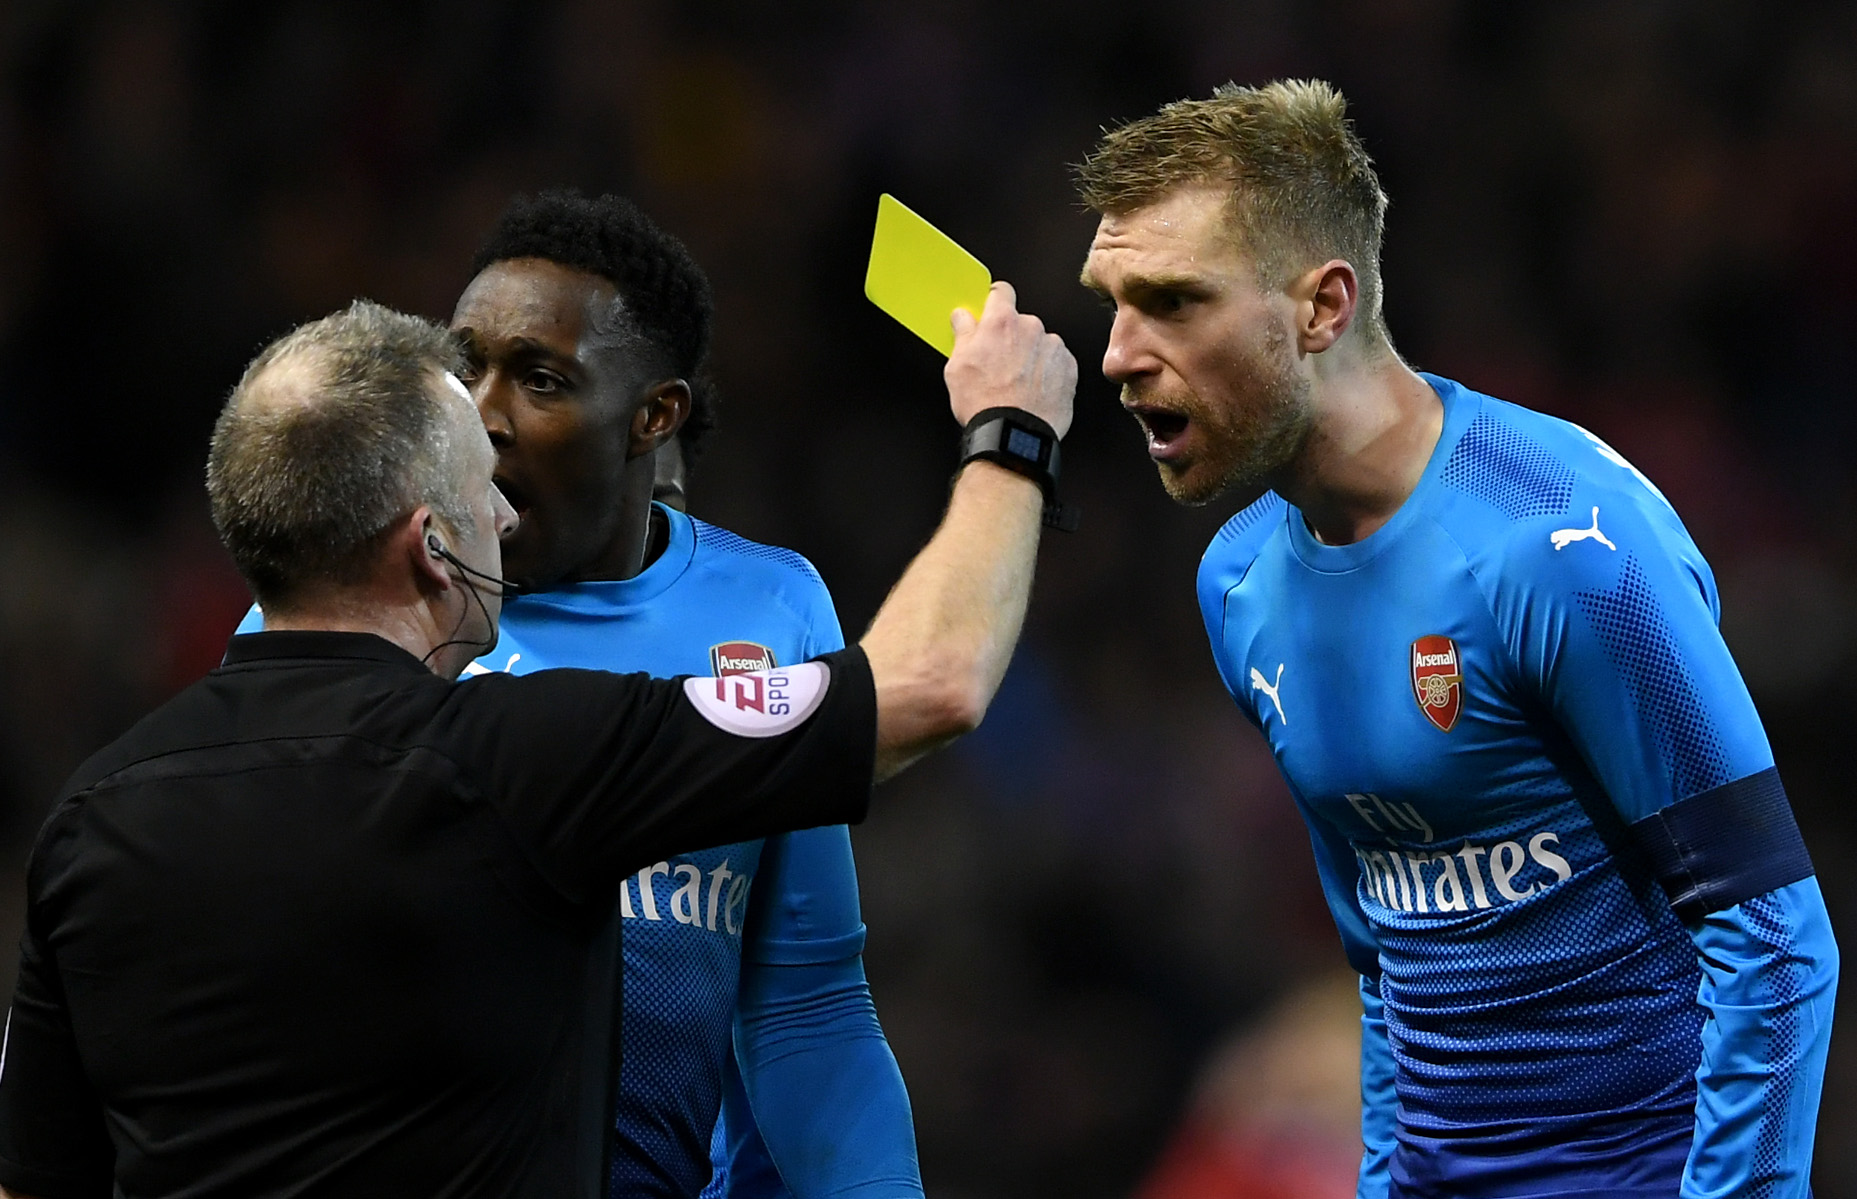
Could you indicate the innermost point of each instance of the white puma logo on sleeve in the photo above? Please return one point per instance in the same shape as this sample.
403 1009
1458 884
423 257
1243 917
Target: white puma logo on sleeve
1259 683
1562 538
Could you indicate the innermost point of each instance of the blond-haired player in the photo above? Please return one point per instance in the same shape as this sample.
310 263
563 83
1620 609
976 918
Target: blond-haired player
1483 648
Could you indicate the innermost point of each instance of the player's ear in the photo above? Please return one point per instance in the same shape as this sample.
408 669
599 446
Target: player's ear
1326 299
662 411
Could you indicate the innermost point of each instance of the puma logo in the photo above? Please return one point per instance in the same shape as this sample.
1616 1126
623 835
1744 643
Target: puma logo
472 669
1259 683
1562 538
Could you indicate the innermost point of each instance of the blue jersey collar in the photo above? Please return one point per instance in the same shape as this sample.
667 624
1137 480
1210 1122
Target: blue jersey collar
612 595
1460 408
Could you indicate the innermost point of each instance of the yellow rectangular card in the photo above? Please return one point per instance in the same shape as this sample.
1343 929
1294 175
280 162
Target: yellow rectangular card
919 275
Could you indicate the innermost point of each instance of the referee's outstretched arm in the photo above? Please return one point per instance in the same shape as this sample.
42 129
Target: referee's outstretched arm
941 642
346 813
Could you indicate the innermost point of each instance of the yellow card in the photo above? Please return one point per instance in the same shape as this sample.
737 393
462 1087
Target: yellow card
920 276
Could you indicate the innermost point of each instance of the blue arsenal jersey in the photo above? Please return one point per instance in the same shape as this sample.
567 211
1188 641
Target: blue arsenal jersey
712 603
715 603
1547 821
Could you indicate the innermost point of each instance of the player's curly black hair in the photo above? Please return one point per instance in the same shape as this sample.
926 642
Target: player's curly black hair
665 293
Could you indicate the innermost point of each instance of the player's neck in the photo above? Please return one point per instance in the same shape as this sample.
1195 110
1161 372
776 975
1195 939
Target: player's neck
657 535
1375 429
636 542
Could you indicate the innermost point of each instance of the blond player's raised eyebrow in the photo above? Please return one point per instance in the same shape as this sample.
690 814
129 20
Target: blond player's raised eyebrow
1163 281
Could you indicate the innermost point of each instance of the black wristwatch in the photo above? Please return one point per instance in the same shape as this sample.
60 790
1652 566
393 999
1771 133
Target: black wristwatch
1020 442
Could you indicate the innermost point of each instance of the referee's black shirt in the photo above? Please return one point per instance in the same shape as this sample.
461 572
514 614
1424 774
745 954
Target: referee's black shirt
326 924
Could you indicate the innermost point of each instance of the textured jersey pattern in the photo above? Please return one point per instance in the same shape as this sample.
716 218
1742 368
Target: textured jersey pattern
1504 467
671 1074
1498 970
721 541
1765 919
1630 623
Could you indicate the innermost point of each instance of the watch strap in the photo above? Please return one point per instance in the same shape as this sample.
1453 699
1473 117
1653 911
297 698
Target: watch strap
1025 444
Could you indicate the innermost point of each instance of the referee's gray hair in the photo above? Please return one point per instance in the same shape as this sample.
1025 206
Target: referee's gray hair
336 431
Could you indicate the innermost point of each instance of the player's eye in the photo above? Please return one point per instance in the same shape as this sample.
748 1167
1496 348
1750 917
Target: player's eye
544 382
1164 302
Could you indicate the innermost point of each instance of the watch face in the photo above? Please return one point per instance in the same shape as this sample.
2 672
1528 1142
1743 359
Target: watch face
1021 444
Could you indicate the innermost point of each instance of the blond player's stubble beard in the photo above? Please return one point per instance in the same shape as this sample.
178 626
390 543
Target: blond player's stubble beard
1245 448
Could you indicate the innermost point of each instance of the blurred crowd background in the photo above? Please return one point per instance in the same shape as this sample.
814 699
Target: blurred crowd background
1096 939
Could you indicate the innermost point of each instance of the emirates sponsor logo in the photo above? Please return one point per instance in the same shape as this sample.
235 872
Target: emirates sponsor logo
740 657
1435 878
716 901
1470 877
1438 680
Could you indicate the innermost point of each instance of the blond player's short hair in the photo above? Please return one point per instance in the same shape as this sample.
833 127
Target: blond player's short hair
1303 189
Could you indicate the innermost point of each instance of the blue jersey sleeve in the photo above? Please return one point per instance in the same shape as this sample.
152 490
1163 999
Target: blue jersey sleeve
1339 872
823 634
1379 1101
827 1100
1612 628
1226 562
1769 979
1336 866
1618 639
815 1105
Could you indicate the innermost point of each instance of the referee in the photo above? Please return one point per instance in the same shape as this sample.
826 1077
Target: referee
329 923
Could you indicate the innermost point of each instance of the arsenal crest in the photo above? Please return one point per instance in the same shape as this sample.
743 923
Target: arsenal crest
1438 680
739 657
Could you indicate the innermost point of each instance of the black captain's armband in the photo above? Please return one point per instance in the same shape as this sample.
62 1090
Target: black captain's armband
1725 846
1024 444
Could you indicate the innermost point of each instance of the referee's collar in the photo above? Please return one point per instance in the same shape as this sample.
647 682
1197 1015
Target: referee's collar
252 648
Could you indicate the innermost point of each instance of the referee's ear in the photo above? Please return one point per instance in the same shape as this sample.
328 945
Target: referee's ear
416 542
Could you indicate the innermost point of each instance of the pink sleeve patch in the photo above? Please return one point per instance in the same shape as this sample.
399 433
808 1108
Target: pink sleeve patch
761 703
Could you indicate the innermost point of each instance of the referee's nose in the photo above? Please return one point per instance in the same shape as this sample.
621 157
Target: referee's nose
504 511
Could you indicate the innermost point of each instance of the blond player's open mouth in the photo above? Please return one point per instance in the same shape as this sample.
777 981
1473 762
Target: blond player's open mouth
1166 430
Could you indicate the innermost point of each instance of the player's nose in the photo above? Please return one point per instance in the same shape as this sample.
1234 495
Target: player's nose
1127 355
492 411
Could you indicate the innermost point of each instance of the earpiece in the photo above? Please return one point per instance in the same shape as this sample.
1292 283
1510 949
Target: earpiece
504 587
437 549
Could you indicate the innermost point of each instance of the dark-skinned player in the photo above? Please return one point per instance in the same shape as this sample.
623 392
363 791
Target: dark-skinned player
586 328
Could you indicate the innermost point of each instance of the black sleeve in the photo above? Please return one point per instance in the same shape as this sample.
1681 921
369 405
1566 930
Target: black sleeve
600 774
53 1142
